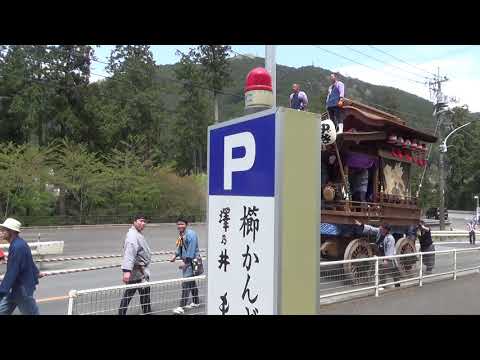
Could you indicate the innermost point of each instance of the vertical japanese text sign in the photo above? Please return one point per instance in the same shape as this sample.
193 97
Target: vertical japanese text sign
241 216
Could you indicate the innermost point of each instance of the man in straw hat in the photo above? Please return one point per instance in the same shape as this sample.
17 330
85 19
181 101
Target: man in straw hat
21 278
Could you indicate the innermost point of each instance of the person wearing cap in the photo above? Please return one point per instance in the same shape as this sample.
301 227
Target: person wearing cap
298 99
21 278
135 266
186 250
336 93
386 246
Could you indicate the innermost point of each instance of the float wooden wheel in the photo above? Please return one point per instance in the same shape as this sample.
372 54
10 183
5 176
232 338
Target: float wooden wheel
406 265
359 272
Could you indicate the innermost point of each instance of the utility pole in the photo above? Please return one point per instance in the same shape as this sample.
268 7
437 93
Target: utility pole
440 108
271 67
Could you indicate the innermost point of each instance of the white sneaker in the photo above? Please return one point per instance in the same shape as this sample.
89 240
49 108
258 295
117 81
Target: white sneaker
179 310
381 288
193 305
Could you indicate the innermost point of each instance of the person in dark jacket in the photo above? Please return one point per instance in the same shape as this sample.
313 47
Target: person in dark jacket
426 245
187 250
21 279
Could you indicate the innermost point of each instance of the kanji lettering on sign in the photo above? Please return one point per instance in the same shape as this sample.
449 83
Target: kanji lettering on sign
225 218
247 261
250 223
223 260
254 311
224 307
224 239
247 291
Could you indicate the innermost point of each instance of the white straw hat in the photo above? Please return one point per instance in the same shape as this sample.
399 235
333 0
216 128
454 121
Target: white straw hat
11 224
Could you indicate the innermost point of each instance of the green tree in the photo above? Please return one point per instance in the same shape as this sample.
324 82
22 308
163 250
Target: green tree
137 96
215 67
24 178
82 176
192 120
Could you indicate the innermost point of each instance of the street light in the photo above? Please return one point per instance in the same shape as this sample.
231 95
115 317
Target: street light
443 149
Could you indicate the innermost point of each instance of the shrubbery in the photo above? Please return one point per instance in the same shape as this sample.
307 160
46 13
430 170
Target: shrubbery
66 183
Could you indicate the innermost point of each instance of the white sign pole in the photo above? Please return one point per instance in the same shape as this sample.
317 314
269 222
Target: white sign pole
270 65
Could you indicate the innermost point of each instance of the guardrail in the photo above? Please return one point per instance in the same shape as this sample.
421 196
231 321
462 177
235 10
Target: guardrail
91 268
368 276
41 248
162 297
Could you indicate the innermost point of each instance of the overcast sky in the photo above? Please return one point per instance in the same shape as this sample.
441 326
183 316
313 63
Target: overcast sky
405 67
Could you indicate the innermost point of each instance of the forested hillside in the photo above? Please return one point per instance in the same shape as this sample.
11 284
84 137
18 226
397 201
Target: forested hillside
136 140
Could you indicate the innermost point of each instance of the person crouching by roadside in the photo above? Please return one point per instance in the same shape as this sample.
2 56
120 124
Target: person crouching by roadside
426 245
186 250
21 278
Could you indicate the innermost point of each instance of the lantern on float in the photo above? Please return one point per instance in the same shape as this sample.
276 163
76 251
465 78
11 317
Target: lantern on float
414 145
392 139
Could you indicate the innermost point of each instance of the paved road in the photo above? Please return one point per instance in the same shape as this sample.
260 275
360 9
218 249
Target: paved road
109 239
444 297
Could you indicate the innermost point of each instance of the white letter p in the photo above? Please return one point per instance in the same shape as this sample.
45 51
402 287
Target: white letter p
230 165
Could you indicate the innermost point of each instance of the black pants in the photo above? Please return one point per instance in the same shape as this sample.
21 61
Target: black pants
187 287
389 269
144 298
429 259
335 116
472 237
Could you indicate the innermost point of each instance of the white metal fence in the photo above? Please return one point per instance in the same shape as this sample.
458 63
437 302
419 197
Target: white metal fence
369 276
153 298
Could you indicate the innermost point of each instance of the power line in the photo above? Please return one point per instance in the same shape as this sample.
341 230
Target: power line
179 81
383 62
184 82
359 63
398 59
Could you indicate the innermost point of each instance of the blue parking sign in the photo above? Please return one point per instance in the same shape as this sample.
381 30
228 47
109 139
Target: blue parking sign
242 158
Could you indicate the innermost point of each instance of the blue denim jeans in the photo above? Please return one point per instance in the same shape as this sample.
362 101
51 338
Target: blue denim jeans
25 303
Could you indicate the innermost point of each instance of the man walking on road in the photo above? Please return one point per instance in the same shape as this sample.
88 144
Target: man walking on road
426 245
471 226
136 259
386 245
187 250
21 278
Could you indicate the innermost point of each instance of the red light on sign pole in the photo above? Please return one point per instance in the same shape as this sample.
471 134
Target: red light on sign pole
258 89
